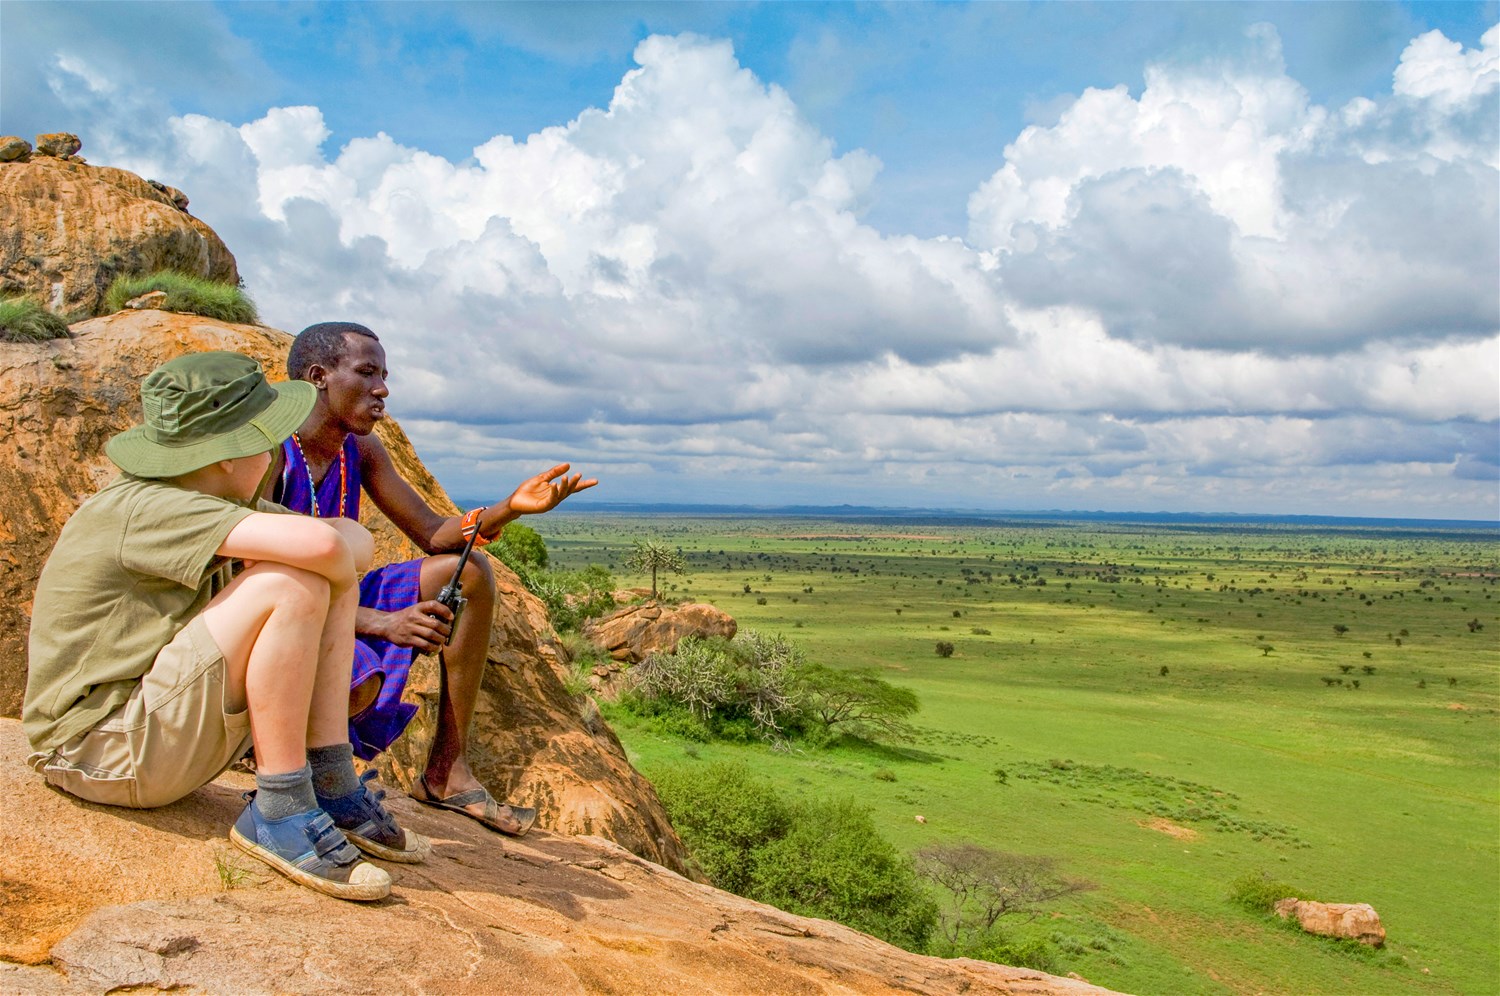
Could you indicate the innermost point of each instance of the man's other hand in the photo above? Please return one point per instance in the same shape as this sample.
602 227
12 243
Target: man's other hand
424 626
547 490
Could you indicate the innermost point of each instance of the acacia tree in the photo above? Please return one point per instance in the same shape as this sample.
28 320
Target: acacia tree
649 555
858 701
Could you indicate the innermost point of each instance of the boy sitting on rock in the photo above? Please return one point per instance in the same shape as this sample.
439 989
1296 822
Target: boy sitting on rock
152 667
324 466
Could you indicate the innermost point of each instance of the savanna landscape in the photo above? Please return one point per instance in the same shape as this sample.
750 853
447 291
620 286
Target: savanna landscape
1167 715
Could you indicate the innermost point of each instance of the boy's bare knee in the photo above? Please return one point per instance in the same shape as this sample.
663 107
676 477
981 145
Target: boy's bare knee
287 588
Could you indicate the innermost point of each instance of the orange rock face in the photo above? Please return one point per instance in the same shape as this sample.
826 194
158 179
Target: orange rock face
95 899
629 634
532 742
71 229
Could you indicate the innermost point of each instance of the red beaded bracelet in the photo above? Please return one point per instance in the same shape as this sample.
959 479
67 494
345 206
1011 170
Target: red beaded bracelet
470 525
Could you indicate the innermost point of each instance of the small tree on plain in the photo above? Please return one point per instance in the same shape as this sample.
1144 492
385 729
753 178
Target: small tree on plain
859 702
944 648
978 886
649 555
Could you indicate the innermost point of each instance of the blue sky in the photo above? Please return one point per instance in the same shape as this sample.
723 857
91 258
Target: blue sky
1194 256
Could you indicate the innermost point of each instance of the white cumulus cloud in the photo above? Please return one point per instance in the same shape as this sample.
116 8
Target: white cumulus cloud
1213 295
1222 209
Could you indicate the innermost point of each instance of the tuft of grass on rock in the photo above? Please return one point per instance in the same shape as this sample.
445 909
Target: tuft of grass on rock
24 320
186 294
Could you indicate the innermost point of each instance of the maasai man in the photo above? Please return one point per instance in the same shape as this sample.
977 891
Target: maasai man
323 469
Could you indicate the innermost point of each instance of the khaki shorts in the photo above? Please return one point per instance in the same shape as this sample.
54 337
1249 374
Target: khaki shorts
170 737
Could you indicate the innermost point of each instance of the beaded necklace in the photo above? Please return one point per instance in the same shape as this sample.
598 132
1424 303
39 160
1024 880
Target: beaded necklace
313 488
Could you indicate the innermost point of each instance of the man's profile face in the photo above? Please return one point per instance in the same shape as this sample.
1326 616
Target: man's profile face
355 386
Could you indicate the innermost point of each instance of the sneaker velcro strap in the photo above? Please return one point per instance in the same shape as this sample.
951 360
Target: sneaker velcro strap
328 841
370 775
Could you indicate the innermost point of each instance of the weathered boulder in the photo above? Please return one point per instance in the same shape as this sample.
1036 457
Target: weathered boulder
60 401
13 148
607 681
177 197
149 301
1354 921
71 229
95 899
632 632
58 143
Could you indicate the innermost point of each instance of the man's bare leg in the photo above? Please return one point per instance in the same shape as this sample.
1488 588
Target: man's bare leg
462 669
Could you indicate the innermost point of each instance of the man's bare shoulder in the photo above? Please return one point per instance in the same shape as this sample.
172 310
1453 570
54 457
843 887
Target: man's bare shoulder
370 448
391 492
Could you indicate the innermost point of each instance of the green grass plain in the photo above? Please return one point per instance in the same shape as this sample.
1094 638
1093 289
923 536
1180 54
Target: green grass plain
1150 741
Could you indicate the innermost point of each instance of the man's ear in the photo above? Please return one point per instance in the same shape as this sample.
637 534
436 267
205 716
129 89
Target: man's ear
317 376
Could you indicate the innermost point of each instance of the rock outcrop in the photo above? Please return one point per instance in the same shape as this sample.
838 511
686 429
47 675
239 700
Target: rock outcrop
95 899
71 229
60 144
14 148
1353 921
630 633
60 401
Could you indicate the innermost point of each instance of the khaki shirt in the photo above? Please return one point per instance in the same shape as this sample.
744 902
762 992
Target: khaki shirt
132 566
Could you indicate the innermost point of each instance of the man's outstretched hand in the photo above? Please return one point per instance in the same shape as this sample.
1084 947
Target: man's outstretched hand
547 490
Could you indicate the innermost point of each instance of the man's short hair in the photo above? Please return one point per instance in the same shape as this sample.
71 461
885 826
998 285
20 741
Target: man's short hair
322 344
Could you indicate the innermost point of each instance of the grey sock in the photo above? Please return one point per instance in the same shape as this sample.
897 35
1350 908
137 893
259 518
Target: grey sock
283 795
333 770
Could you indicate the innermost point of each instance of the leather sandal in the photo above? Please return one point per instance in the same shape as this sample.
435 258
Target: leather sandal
513 821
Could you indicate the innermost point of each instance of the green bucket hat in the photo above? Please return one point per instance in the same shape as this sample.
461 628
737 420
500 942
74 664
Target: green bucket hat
206 407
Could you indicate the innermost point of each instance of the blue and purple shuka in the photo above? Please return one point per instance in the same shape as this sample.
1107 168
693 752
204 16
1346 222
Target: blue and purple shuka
389 589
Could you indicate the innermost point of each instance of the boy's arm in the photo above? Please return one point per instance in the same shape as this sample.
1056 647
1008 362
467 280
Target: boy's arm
336 549
437 533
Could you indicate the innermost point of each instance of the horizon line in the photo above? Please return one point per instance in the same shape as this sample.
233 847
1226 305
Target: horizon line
845 509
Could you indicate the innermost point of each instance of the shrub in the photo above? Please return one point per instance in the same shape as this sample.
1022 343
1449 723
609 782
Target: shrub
833 863
752 679
1035 953
24 320
823 859
570 596
1258 893
186 294
944 648
519 546
761 687
723 814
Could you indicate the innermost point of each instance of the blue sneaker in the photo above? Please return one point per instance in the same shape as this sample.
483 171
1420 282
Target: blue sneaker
307 848
371 828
